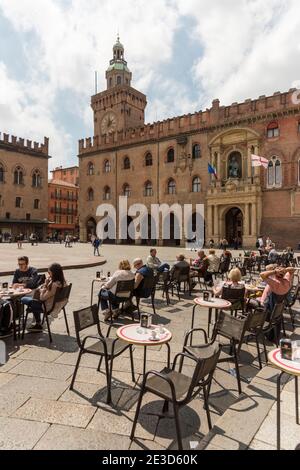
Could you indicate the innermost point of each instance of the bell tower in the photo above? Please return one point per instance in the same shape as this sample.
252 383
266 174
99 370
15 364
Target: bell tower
120 106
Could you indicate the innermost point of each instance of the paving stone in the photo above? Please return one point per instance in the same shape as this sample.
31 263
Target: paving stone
35 387
10 365
116 422
87 360
223 442
5 378
259 445
290 431
57 412
19 434
10 402
142 444
40 354
43 369
85 393
69 438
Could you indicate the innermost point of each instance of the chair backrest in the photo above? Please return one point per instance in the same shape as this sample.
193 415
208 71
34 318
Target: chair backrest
224 265
277 313
230 327
149 282
233 293
61 299
85 318
256 319
181 273
41 279
124 289
205 368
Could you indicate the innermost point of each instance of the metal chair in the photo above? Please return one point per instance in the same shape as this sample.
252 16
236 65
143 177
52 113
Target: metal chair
123 293
255 323
178 276
105 347
275 323
227 326
60 301
179 389
149 284
290 302
235 295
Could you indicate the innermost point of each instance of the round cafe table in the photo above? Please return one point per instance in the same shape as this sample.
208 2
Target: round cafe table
139 336
212 304
291 368
15 295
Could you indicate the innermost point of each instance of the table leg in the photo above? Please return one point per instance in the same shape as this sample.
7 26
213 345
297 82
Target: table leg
145 359
92 292
278 409
297 399
209 321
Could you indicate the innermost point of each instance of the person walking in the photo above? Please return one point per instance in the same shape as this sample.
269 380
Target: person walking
96 245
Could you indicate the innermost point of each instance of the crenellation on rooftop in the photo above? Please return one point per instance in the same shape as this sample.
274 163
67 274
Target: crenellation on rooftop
19 144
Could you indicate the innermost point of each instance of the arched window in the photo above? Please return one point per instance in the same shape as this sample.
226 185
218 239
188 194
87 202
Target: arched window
110 82
107 193
148 189
126 190
274 178
171 186
90 194
119 80
126 163
273 130
171 156
1 174
196 151
36 179
148 160
196 187
235 165
18 176
91 169
36 204
107 166
18 202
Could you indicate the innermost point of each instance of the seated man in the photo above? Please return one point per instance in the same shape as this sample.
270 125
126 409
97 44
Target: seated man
279 282
108 290
142 272
180 263
201 263
25 276
154 263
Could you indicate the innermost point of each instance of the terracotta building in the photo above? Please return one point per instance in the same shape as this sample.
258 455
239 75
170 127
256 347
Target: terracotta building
167 162
23 187
63 202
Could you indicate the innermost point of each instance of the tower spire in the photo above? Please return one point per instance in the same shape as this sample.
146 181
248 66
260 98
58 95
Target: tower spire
118 74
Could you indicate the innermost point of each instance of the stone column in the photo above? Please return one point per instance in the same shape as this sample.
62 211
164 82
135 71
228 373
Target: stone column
254 221
216 222
249 163
209 223
219 169
246 224
257 169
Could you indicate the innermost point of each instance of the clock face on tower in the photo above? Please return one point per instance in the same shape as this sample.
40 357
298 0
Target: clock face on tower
109 123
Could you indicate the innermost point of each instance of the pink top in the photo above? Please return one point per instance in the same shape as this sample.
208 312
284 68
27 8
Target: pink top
279 286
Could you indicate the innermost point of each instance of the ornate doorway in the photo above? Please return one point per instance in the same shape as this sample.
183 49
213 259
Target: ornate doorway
234 226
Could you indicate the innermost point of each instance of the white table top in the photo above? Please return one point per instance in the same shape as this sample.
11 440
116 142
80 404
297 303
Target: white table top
213 303
290 367
10 292
137 335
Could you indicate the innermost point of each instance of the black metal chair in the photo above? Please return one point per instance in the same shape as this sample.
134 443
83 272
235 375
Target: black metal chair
179 275
255 323
236 296
290 301
275 323
124 293
105 347
149 284
179 389
60 301
228 327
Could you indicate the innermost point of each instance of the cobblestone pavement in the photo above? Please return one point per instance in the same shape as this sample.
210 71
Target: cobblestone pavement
38 411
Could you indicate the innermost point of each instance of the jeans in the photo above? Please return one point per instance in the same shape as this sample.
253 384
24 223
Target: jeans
96 250
105 296
162 267
35 306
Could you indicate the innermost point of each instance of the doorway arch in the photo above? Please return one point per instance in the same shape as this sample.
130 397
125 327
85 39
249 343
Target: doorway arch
91 227
234 226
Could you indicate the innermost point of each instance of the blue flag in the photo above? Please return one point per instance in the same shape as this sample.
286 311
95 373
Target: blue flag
212 171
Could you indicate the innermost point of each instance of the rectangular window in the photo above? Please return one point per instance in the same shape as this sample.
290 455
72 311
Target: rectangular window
18 202
36 204
28 216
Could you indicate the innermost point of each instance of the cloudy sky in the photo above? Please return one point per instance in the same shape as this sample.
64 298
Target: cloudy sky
183 54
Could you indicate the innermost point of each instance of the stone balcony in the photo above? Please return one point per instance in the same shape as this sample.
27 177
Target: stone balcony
230 186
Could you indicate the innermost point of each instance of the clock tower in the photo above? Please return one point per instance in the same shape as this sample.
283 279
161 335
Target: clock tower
119 107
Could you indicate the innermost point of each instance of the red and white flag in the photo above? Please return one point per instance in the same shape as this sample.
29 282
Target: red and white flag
259 161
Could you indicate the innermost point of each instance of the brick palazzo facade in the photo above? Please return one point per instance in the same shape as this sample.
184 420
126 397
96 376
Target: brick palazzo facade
23 187
63 202
167 162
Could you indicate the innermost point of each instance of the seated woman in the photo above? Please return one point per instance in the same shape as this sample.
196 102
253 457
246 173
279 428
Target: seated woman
234 277
107 293
45 293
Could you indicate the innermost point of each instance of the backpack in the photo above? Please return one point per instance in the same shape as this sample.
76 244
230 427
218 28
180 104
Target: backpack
6 315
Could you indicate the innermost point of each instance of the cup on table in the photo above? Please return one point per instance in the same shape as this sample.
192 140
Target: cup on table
206 296
98 274
5 285
161 329
154 335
